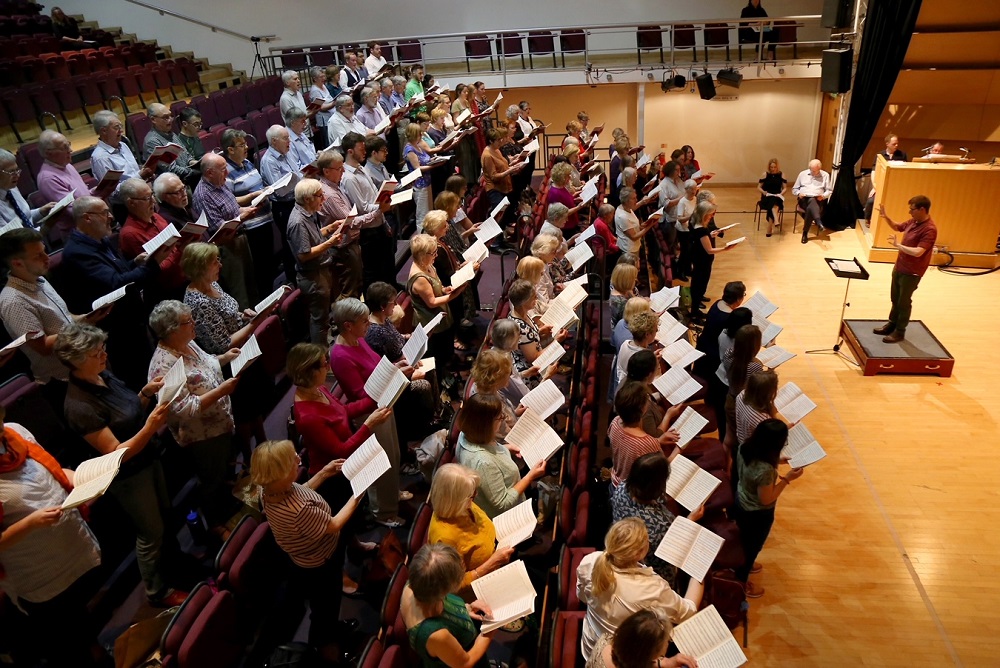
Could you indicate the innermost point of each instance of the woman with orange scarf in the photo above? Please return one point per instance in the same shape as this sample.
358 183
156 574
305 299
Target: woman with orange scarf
45 552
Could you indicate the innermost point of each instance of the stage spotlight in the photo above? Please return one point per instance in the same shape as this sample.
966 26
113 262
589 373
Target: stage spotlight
670 83
730 77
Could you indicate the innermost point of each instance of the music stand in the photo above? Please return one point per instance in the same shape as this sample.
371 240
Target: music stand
842 269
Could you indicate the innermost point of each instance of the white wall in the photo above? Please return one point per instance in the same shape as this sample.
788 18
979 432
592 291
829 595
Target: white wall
323 22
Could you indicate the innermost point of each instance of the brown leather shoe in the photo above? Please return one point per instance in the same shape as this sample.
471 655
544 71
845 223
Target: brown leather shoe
754 591
887 328
895 337
172 597
756 568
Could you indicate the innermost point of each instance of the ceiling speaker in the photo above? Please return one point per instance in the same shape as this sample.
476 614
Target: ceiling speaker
729 78
706 87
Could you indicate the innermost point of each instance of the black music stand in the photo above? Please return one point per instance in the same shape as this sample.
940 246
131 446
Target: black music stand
842 269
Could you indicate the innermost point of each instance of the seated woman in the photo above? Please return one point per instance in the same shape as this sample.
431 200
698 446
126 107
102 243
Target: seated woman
757 494
307 531
420 398
643 327
533 337
112 417
532 269
201 417
628 440
431 297
459 522
352 362
614 583
438 622
490 374
640 641
644 367
772 190
501 485
623 281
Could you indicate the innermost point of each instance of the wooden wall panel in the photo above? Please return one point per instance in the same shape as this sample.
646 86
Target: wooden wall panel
944 14
949 49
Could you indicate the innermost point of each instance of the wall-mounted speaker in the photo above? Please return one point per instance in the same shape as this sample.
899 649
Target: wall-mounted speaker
706 87
729 78
837 13
836 76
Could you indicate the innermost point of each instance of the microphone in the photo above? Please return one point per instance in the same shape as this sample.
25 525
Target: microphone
928 149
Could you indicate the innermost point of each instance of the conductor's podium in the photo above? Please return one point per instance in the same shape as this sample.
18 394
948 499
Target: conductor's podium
919 353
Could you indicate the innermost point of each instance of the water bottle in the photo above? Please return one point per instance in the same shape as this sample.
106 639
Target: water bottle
195 524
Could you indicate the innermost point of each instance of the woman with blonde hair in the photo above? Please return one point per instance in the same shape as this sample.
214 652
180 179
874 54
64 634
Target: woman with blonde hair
459 522
454 239
614 584
623 281
703 252
431 297
549 249
491 373
771 187
308 532
532 269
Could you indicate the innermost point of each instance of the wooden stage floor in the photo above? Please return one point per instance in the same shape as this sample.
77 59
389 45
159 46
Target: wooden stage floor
886 553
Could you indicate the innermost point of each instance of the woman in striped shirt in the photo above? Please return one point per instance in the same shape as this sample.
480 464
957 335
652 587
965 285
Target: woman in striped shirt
304 527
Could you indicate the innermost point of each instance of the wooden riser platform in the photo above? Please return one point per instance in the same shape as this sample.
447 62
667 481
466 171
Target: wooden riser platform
919 353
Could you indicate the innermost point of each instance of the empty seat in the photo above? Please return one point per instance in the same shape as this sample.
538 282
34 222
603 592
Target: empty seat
572 41
510 44
418 531
717 36
214 639
649 38
253 94
682 36
137 126
540 43
181 623
410 51
478 46
293 59
209 113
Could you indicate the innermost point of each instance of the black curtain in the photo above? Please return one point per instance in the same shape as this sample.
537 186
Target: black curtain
887 29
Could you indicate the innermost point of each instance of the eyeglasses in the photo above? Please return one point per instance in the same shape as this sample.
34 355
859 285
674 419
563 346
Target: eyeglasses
196 124
11 172
167 117
178 191
147 198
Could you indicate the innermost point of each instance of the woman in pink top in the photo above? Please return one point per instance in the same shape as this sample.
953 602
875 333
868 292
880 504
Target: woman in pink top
352 362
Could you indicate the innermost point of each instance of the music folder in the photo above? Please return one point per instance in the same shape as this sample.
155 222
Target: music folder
847 268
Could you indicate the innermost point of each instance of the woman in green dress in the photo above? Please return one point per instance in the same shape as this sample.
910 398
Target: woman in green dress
441 627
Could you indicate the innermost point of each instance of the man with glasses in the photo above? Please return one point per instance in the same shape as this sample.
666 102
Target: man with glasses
56 179
335 208
13 207
93 267
162 134
142 224
172 197
191 125
915 252
312 243
110 154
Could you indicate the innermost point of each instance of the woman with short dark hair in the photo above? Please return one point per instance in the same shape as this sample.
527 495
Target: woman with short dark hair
640 641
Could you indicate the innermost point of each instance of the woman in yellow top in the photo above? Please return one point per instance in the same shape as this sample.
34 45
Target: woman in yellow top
459 522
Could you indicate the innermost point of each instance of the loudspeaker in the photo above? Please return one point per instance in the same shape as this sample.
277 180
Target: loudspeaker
729 78
706 87
836 70
837 13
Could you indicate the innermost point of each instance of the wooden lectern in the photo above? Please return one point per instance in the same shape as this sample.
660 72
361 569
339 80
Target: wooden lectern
963 206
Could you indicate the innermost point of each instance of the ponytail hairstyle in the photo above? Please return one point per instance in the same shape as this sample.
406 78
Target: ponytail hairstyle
746 345
626 542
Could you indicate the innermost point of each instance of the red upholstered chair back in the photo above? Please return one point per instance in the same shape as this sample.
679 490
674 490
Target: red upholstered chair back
390 605
418 531
569 562
231 549
371 657
564 645
182 621
214 639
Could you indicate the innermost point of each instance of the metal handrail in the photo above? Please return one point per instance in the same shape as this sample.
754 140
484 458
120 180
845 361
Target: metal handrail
214 28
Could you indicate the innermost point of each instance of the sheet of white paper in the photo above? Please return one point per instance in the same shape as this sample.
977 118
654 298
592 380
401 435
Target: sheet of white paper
508 592
642 161
707 638
382 126
688 484
366 465
735 242
174 383
728 227
477 252
409 178
768 330
462 116
810 454
21 340
579 255
531 146
432 323
109 298
269 300
515 525
792 403
58 208
545 399
385 383
416 347
681 354
488 229
586 234
669 330
774 356
199 227
549 356
399 197
581 281
501 205
664 298
93 477
588 193
464 274
558 315
688 425
690 547
676 385
537 440
166 234
249 351
426 365
760 305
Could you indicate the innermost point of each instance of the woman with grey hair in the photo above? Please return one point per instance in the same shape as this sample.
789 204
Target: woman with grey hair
110 416
438 622
201 414
352 362
320 93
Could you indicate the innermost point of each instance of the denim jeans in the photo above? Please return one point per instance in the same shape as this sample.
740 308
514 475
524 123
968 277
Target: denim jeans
901 293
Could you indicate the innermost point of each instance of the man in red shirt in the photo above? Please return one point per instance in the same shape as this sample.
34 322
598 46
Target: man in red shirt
915 251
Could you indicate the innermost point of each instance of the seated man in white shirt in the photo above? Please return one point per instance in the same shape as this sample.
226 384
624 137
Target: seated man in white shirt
375 62
813 188
13 207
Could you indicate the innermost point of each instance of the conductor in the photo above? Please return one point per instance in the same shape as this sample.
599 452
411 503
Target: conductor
915 251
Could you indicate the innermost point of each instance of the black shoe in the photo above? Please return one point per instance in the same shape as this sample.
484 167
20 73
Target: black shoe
345 626
887 328
820 225
804 240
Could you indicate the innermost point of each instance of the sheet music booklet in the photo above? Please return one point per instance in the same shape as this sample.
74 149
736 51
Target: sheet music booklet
537 440
365 465
793 403
386 383
689 547
93 477
508 592
515 525
689 484
707 638
545 399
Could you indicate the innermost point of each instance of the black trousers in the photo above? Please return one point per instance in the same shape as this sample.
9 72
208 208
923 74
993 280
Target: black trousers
701 273
281 210
378 255
323 588
65 614
755 526
813 212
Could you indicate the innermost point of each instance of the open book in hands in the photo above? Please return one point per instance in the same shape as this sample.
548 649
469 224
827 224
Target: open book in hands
664 298
249 351
689 484
792 403
174 383
549 356
508 592
680 354
760 305
688 425
21 340
488 229
676 385
545 399
515 525
536 439
579 255
386 383
768 330
707 638
669 330
365 465
93 477
774 356
802 448
689 547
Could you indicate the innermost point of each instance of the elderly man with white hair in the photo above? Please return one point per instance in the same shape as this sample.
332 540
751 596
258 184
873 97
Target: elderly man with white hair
141 226
385 100
344 121
292 95
219 205
110 153
56 179
277 162
13 207
172 198
321 94
370 114
300 145
162 134
813 188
